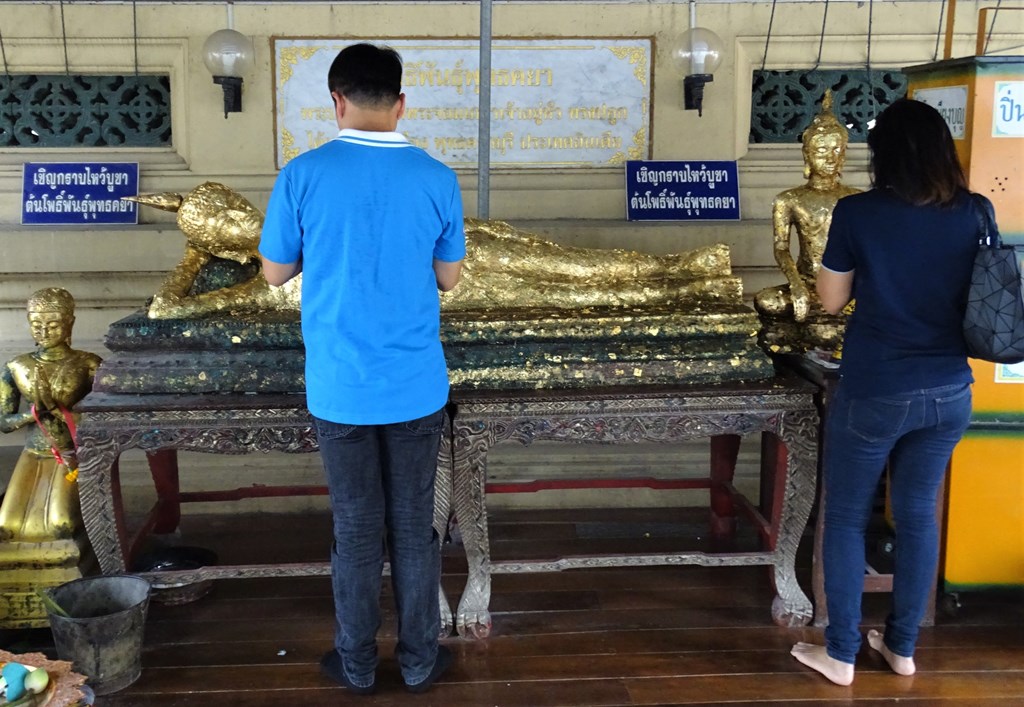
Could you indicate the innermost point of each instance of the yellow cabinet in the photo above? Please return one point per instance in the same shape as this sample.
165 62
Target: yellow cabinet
982 99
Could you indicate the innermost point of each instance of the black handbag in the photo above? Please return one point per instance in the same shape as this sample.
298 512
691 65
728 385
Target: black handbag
994 319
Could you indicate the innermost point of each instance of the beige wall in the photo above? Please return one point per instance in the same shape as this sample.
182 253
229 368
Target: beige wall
111 271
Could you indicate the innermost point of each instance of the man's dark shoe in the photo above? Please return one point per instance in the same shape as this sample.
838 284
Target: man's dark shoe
330 665
441 663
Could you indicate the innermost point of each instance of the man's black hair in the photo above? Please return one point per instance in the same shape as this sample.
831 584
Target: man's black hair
368 75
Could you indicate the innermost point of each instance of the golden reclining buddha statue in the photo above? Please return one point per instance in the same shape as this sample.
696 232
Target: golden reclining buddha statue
527 312
505 268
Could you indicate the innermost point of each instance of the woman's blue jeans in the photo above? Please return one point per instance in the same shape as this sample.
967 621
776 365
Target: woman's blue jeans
916 433
381 484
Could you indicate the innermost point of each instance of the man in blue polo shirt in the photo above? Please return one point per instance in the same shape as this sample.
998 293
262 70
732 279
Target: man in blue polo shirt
375 227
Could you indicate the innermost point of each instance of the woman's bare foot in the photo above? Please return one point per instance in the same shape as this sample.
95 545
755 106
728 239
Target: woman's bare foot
899 664
817 658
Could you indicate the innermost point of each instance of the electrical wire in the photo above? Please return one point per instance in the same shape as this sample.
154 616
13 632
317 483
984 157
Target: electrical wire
871 83
3 53
938 33
871 20
821 40
771 21
64 37
135 35
991 27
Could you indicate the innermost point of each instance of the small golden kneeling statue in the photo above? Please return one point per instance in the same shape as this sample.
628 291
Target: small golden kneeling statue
41 535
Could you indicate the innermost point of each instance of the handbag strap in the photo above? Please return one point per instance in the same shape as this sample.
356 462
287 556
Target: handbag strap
988 231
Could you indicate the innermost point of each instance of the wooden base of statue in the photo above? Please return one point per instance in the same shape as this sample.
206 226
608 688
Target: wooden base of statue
46 544
533 349
786 336
26 567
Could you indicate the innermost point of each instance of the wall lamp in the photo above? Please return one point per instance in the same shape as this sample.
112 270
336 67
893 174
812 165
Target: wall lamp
697 54
228 55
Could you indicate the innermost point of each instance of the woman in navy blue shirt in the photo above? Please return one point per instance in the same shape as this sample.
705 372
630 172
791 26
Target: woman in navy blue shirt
904 251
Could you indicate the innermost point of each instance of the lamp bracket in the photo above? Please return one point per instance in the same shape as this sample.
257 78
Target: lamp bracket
693 92
232 86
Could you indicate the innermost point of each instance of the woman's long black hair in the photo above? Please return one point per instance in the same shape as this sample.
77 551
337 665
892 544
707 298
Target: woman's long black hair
912 153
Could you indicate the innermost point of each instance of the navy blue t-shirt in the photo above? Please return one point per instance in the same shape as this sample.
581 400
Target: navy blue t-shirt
912 268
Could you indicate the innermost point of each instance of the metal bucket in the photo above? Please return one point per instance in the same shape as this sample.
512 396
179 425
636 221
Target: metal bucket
102 634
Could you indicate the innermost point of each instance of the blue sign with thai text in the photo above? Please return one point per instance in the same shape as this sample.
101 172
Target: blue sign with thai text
79 193
662 190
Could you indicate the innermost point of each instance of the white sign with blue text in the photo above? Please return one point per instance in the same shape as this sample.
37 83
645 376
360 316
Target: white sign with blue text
662 190
951 102
79 193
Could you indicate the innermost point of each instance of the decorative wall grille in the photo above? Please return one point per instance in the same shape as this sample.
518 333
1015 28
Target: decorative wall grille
40 110
785 102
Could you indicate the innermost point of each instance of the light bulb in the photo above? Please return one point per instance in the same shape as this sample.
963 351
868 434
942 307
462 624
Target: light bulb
697 51
227 53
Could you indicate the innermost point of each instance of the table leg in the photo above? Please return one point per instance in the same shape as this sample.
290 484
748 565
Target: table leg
798 430
725 450
163 467
473 620
99 491
771 491
817 568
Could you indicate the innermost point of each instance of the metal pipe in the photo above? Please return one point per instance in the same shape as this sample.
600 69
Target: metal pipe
984 31
947 52
979 41
483 150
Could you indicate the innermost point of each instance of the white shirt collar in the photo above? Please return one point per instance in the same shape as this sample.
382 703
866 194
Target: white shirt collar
373 136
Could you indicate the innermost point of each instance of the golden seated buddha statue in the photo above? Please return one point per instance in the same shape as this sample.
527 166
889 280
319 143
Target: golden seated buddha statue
791 314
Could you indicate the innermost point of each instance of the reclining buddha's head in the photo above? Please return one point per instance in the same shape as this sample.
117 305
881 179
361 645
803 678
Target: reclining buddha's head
215 219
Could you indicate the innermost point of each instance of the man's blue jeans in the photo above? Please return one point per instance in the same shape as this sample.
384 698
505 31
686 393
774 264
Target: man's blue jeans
916 433
381 483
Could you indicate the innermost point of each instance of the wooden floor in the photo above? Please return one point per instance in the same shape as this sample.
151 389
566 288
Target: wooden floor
660 636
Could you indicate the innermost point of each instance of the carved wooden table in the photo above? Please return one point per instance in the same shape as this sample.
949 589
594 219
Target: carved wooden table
782 409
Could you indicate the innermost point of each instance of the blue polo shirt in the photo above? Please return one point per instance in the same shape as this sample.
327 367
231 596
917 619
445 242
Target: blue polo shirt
912 268
367 213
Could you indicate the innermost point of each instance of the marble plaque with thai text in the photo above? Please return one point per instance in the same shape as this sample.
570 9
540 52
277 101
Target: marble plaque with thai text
554 102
